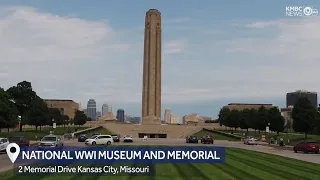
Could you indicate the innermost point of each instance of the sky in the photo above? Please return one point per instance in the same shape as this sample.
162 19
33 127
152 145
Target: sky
214 52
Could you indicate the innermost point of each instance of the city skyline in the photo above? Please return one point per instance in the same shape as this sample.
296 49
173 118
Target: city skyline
211 56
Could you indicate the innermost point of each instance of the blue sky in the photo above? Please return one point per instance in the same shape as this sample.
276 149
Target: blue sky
214 52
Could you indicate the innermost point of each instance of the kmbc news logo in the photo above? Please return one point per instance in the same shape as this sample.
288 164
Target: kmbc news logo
294 11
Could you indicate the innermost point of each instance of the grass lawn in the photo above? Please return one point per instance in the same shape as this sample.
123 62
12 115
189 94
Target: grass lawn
216 136
240 165
292 137
100 130
31 133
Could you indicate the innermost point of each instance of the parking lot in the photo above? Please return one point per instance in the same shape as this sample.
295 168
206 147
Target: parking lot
315 158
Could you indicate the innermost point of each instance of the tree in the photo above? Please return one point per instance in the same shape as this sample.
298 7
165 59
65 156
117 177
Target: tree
233 119
304 116
22 95
253 119
276 120
38 112
71 121
65 119
317 123
262 118
244 119
55 116
80 118
8 111
223 116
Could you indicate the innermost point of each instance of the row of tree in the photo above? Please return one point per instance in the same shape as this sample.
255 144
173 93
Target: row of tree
20 104
306 118
257 119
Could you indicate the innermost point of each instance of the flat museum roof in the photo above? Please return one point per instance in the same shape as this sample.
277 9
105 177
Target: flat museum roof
58 100
249 104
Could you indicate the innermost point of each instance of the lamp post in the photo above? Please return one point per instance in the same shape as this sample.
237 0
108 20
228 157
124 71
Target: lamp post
19 121
268 131
53 125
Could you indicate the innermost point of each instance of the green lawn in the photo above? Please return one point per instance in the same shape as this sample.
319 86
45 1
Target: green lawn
240 165
292 137
216 136
100 130
31 133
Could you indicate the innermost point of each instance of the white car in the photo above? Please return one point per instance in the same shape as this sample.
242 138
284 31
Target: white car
250 141
127 138
99 140
3 144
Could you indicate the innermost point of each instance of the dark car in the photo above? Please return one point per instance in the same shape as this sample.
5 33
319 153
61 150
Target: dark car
207 140
20 140
192 139
306 147
116 137
82 138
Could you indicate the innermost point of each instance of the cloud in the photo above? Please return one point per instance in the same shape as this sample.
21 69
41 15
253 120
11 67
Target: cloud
74 58
295 42
175 46
176 20
54 52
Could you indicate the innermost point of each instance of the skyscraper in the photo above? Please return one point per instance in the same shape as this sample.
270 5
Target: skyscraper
292 97
151 91
104 110
120 115
167 116
92 109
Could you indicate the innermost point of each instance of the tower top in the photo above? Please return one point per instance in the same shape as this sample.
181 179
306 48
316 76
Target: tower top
153 11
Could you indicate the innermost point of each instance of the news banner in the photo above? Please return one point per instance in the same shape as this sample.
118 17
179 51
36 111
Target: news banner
99 160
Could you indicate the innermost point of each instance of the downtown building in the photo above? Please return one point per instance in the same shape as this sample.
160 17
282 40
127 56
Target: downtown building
167 116
120 115
174 119
293 97
105 109
92 109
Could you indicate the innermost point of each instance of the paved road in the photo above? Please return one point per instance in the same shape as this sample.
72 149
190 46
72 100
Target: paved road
315 158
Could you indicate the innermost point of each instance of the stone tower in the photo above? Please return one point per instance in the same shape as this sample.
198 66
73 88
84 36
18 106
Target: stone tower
151 91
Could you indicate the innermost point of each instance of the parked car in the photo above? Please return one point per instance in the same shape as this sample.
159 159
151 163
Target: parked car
99 140
249 140
207 140
3 144
20 140
192 139
127 138
82 138
116 137
306 147
51 141
67 136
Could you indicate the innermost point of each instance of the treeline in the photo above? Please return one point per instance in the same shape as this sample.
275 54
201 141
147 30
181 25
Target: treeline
21 104
257 119
305 118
